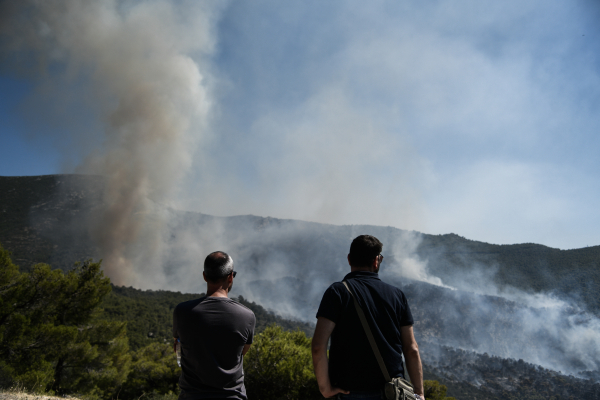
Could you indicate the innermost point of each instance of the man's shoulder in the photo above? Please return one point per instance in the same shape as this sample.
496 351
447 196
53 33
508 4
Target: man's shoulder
218 303
377 281
245 309
231 306
382 287
389 286
186 305
336 288
337 285
392 289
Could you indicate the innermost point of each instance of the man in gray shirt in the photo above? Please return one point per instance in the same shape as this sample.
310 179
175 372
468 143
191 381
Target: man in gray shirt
215 332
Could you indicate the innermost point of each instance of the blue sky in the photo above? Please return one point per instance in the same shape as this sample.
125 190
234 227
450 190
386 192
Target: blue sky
473 117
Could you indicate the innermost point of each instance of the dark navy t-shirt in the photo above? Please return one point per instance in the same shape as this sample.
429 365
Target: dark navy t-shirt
212 332
352 364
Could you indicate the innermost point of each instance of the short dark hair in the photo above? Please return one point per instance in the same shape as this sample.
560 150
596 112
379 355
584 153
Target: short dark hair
217 266
363 250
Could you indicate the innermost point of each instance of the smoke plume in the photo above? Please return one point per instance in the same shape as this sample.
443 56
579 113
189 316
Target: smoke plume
133 66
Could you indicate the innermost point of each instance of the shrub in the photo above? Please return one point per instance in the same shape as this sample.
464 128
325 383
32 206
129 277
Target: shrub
435 391
154 373
279 366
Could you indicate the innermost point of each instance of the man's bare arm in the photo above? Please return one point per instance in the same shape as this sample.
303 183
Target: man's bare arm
319 355
413 358
245 349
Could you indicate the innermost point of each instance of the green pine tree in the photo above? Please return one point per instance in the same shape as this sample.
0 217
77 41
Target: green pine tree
50 336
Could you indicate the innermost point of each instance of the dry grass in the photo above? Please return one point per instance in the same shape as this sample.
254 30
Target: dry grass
18 394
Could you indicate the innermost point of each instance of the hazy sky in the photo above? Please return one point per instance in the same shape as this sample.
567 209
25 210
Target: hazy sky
476 117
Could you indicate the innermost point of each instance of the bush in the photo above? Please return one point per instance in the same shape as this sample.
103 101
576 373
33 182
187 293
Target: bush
154 373
279 366
435 391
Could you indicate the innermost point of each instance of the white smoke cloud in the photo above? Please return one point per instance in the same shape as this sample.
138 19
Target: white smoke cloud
408 263
440 92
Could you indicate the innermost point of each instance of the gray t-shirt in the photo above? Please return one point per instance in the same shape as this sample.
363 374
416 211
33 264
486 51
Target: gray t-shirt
212 332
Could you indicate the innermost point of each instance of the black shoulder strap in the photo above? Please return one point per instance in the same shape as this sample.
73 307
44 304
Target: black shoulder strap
365 325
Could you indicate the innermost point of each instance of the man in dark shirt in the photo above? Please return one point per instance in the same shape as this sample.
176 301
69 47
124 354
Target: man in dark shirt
352 369
215 333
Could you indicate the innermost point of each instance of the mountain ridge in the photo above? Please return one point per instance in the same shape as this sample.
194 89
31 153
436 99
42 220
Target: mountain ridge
44 219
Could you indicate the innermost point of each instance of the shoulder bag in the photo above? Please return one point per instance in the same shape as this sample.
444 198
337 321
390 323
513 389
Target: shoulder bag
397 388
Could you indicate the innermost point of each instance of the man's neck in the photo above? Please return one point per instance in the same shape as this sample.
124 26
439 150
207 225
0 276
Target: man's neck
217 292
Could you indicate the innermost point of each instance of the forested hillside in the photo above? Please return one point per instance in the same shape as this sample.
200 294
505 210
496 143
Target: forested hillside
498 378
149 314
531 267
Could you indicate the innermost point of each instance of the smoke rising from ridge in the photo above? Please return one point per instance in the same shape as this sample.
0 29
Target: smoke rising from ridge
131 62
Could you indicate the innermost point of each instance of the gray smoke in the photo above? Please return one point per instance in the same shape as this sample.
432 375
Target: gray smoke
133 66
287 265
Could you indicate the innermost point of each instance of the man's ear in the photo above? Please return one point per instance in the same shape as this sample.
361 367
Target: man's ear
204 276
348 257
374 266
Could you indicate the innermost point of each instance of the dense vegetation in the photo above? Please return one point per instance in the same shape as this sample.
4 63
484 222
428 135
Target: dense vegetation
51 335
149 314
505 378
279 366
